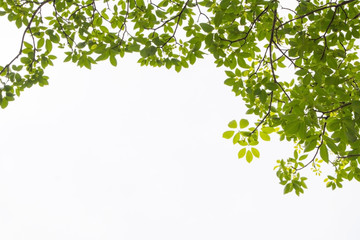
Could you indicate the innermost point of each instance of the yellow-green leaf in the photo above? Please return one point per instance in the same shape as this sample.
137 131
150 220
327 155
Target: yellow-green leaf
206 27
255 152
264 136
244 123
324 153
249 156
310 145
232 124
228 134
241 153
236 138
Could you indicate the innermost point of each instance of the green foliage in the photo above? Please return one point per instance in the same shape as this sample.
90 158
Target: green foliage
318 109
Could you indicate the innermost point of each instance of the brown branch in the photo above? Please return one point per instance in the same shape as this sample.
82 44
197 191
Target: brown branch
317 149
68 38
200 12
266 115
250 28
316 10
80 7
173 17
261 61
34 49
177 23
273 72
334 110
270 55
24 34
327 29
286 56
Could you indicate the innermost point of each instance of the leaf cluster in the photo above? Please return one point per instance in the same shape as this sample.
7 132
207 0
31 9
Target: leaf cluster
317 108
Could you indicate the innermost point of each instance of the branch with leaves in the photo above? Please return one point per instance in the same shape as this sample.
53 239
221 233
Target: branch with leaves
316 106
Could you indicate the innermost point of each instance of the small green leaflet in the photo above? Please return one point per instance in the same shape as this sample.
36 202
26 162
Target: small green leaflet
310 145
206 27
148 51
232 124
236 138
113 60
244 123
218 18
241 153
324 153
356 106
255 152
228 134
288 188
48 45
249 156
264 136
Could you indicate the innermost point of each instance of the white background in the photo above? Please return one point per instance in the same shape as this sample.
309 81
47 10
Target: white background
136 153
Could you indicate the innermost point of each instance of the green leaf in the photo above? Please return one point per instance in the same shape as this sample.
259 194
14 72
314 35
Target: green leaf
356 106
228 134
18 23
324 153
292 127
249 156
331 62
242 63
230 74
218 18
40 43
103 56
271 86
288 188
268 130
301 72
206 27
4 103
241 153
113 60
140 3
160 14
232 124
236 138
48 45
244 123
148 51
264 136
224 4
255 152
310 145
331 144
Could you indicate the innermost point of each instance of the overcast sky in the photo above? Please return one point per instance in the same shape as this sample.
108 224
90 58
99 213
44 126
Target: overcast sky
136 153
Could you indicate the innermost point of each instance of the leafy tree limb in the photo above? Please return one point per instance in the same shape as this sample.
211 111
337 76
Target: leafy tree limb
317 107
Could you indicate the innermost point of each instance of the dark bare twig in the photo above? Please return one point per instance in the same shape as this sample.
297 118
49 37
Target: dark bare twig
200 12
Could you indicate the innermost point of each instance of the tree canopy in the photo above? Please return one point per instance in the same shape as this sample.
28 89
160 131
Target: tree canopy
317 107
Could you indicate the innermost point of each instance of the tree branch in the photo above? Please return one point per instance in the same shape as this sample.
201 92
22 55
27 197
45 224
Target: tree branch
24 34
